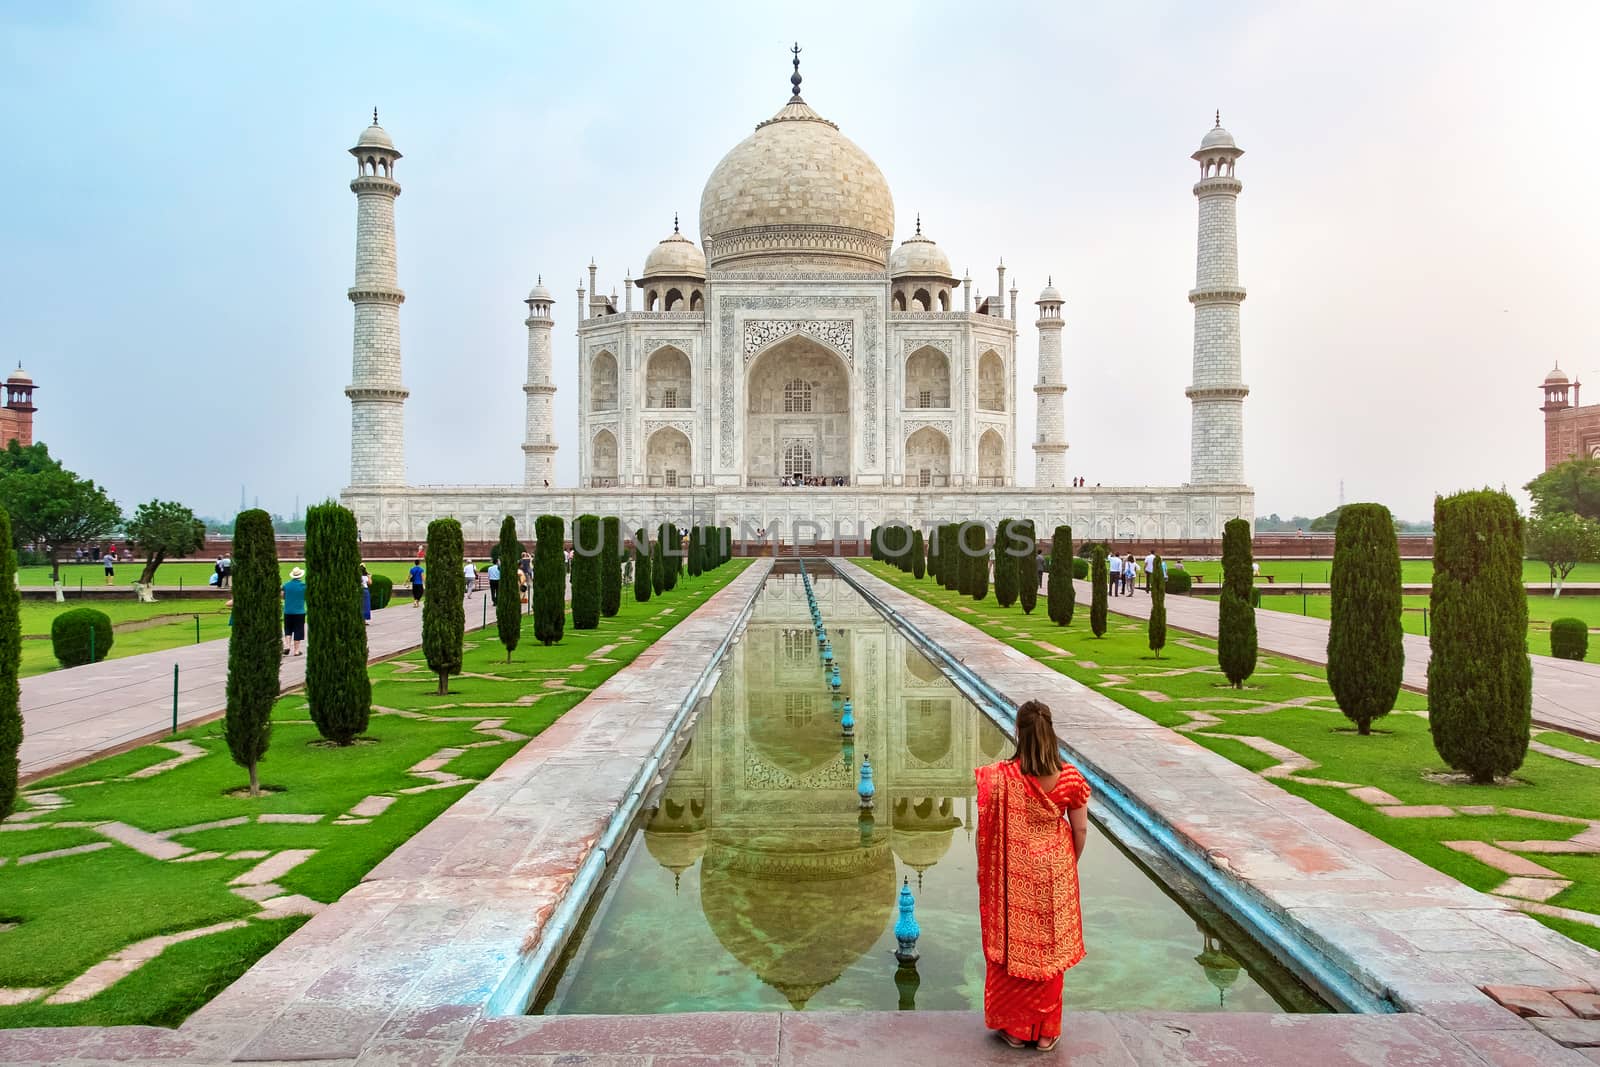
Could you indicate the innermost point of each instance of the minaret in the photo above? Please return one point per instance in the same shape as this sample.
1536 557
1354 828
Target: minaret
1000 292
377 399
539 450
1216 435
1050 442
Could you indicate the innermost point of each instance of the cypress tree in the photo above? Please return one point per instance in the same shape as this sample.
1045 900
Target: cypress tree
642 585
1480 681
980 563
876 549
549 580
253 643
610 566
952 574
1028 569
1005 566
658 563
338 690
1157 630
1366 646
508 606
695 564
1061 596
669 544
11 662
586 572
931 568
1236 616
919 559
964 562
444 610
1099 576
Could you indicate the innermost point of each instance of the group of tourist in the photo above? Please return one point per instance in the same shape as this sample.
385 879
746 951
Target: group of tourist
1080 481
1123 573
222 571
815 481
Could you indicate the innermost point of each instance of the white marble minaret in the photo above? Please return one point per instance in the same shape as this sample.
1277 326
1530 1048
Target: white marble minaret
377 398
539 449
1050 441
1216 438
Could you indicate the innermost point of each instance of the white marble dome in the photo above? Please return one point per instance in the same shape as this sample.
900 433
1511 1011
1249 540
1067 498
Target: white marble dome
1217 137
797 188
920 257
1049 295
1556 377
374 136
675 256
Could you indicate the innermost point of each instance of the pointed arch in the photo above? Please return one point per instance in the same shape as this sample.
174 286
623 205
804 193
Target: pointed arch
927 458
991 381
603 459
668 379
603 382
927 378
669 458
991 458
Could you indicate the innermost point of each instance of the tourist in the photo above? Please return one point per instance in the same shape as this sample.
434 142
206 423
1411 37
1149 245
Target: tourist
1149 568
110 561
469 577
1033 824
366 595
494 580
1113 573
1130 574
422 552
416 582
294 612
525 565
225 578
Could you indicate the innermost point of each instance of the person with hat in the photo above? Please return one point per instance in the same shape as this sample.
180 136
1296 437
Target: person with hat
294 612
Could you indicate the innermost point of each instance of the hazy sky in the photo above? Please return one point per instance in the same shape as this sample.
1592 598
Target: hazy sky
1418 228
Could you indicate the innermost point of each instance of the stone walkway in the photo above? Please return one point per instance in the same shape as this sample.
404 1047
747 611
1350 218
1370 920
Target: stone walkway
1566 693
69 716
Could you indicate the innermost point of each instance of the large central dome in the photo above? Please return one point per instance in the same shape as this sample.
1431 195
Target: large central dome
797 194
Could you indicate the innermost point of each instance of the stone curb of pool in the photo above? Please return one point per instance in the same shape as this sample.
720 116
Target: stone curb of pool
1237 898
529 973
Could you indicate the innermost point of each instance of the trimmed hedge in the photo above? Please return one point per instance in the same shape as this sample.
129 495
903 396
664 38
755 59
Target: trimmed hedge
338 688
549 579
1080 566
69 636
508 604
1366 646
643 558
1005 566
1101 577
1157 627
1060 597
1236 619
1179 580
1569 638
610 566
444 610
586 572
1028 567
382 591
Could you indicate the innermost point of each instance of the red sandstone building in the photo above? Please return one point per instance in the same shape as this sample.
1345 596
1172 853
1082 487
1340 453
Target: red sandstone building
16 417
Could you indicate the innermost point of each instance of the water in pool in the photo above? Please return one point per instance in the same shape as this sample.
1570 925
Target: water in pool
758 884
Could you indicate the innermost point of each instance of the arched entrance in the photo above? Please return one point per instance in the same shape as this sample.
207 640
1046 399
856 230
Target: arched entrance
603 460
991 458
927 458
927 379
667 458
603 383
797 411
667 379
991 382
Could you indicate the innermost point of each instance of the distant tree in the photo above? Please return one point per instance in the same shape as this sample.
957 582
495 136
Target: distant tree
1236 615
1157 629
1005 566
919 561
1366 646
931 569
658 563
254 649
1028 567
51 508
1573 486
610 566
444 614
671 544
338 690
1099 579
1326 523
11 663
508 605
1480 681
160 529
978 542
586 572
643 557
1561 540
550 580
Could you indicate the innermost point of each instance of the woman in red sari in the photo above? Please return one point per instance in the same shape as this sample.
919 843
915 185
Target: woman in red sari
1032 825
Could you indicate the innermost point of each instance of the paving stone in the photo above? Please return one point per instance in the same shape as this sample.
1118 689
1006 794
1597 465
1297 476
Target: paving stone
1572 1032
274 866
1500 859
250 854
198 857
291 904
372 806
1369 794
259 892
152 845
1540 889
1583 1004
129 959
56 853
1419 811
288 817
220 824
1528 1000
18 995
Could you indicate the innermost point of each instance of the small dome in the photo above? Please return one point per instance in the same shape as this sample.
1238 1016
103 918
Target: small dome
540 293
1049 295
918 256
374 136
677 257
1217 137
1556 377
20 375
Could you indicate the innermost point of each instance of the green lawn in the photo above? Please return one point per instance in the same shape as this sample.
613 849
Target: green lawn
136 627
1542 610
73 911
92 575
1412 571
1396 758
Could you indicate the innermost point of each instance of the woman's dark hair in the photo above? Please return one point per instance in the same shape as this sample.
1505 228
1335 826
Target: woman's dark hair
1038 751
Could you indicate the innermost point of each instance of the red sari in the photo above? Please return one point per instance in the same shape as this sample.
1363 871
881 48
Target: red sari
1027 897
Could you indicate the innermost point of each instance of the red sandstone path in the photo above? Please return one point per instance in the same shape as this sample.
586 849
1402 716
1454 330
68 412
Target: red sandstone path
1566 693
69 716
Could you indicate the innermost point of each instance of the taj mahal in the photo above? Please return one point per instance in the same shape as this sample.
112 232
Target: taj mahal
798 342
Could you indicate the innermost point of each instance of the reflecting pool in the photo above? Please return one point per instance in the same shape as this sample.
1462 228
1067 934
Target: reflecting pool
759 883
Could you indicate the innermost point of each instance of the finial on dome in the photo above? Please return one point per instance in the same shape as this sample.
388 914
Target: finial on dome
794 79
374 116
1049 279
919 224
1219 119
541 279
674 222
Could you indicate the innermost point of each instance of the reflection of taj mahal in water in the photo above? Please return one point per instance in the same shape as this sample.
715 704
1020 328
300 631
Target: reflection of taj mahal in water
797 340
765 796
